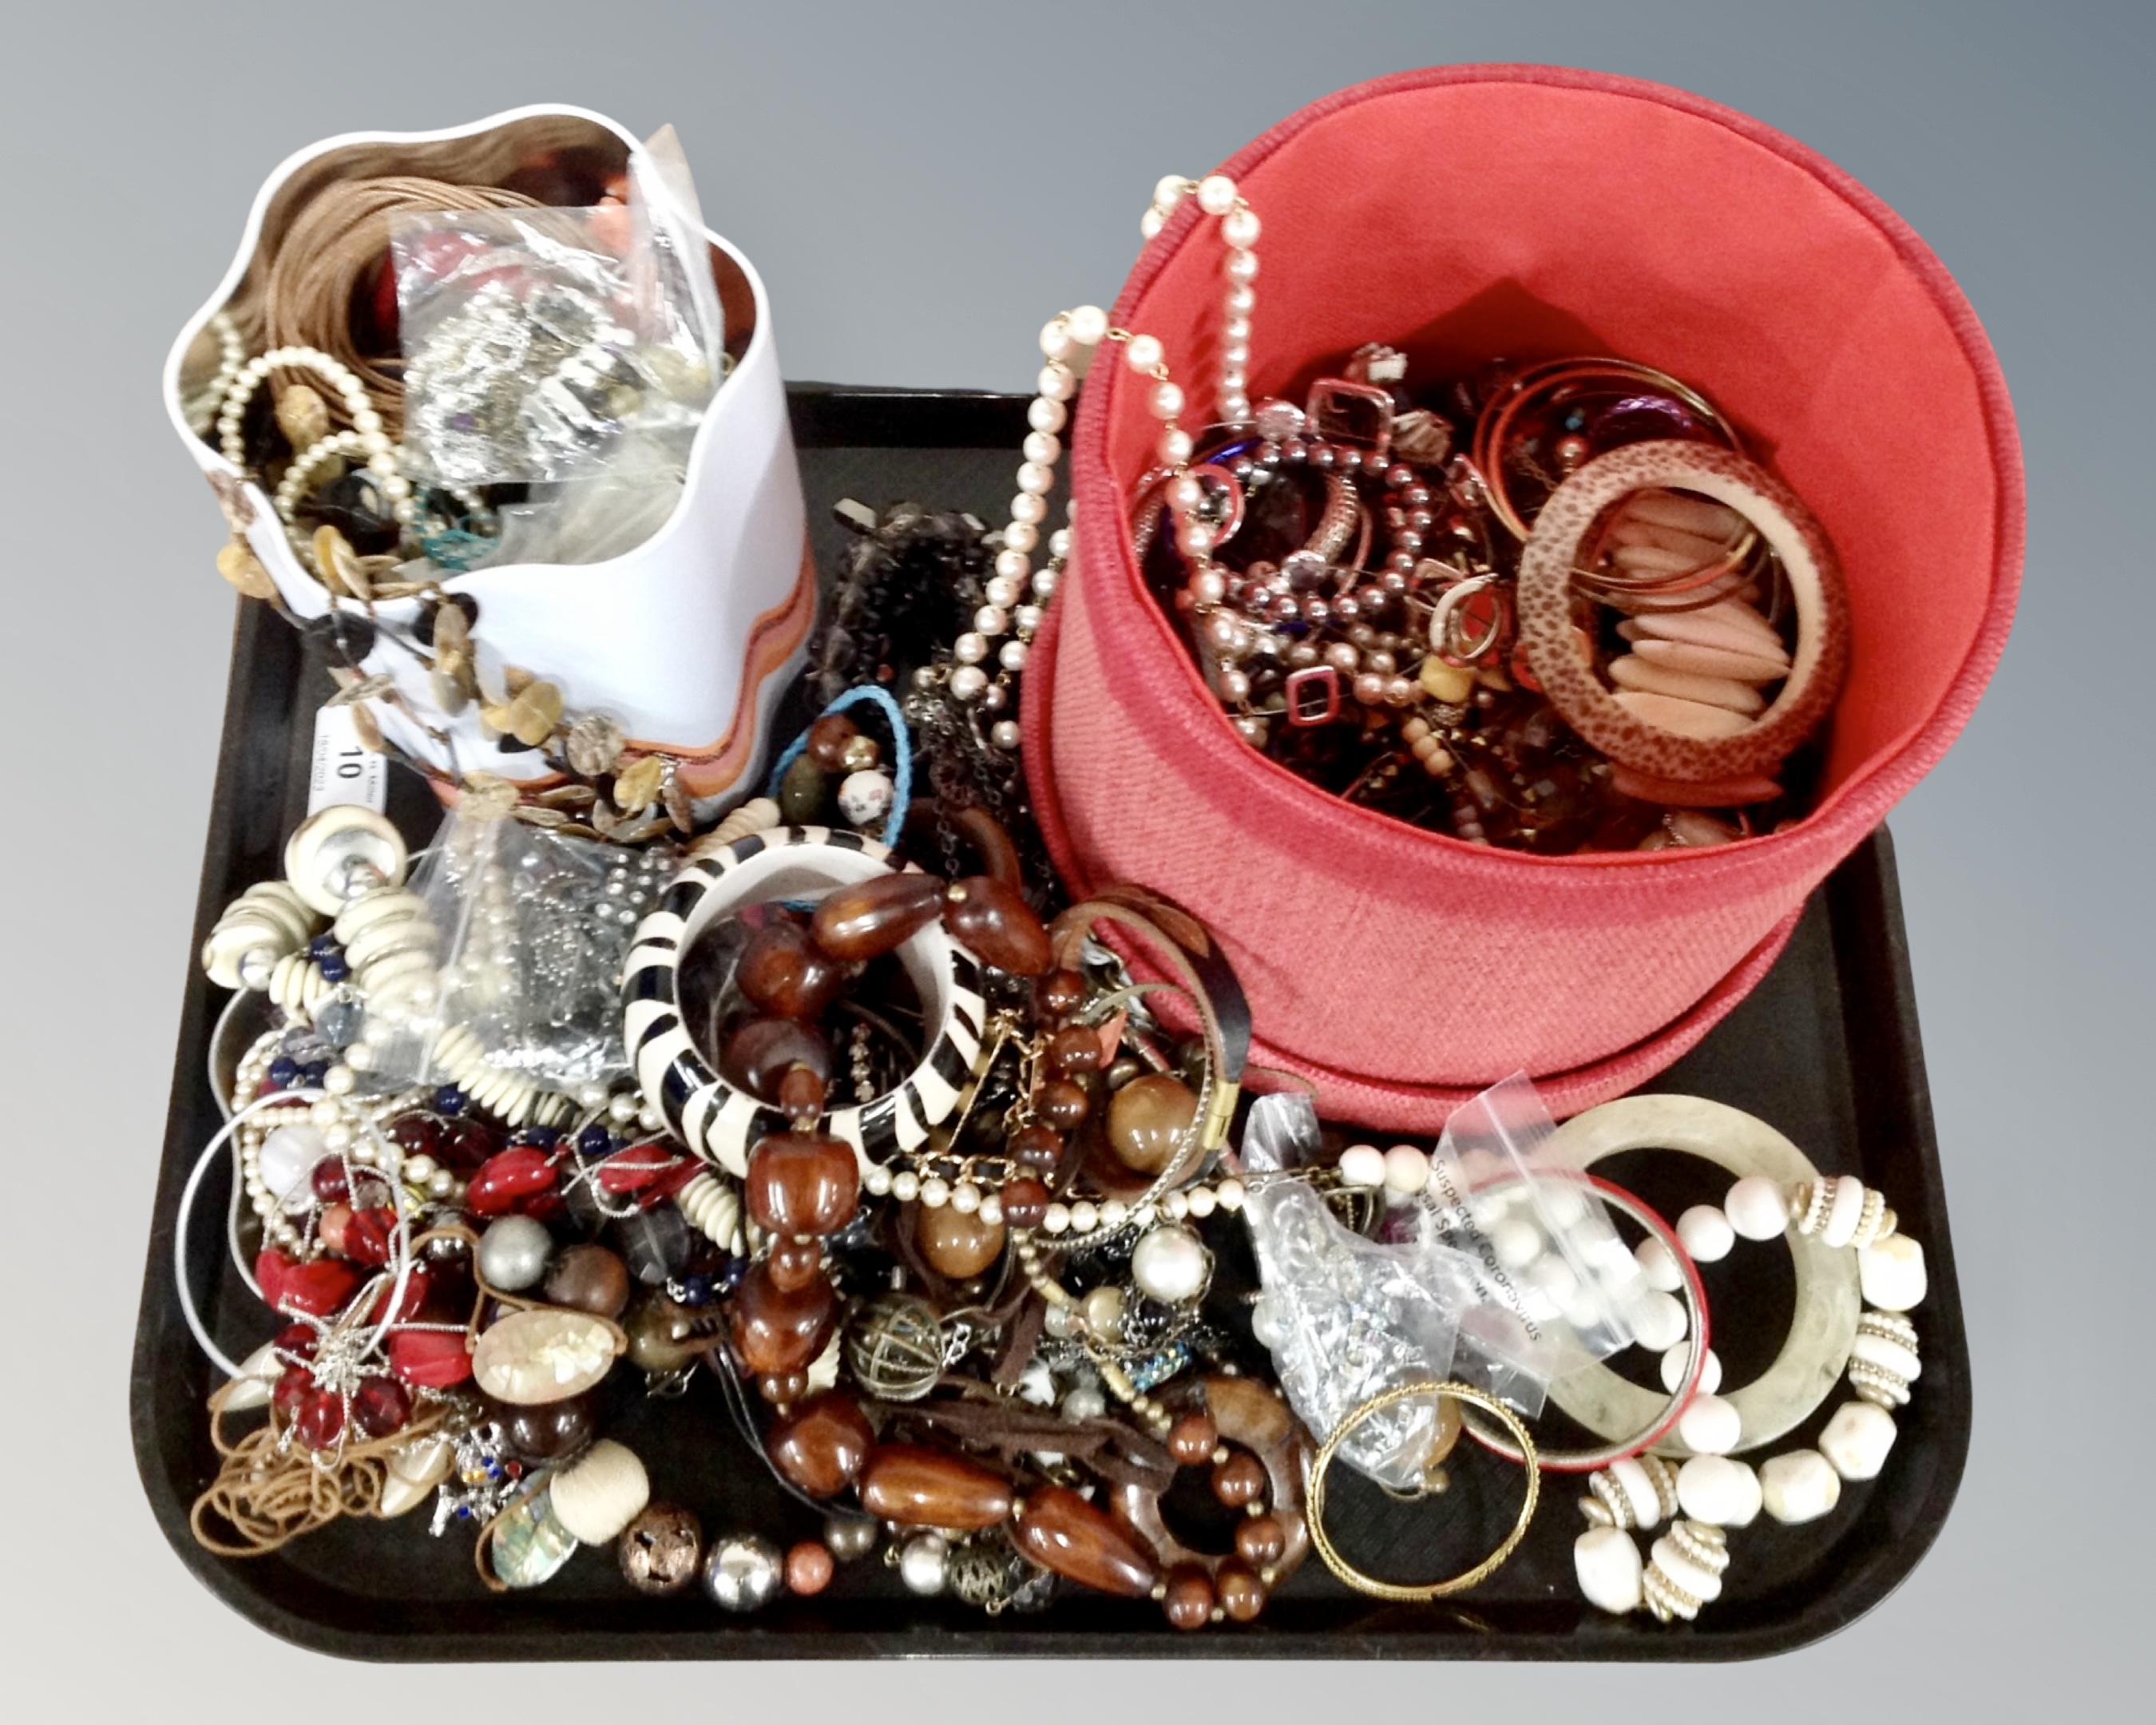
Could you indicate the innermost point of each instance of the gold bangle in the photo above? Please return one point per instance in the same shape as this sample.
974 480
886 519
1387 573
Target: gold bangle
1439 1589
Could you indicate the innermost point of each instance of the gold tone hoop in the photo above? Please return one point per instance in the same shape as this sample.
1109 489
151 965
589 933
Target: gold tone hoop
1438 1589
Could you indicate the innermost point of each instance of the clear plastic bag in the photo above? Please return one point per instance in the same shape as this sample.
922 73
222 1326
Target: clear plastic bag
538 342
1346 1317
1554 1286
534 927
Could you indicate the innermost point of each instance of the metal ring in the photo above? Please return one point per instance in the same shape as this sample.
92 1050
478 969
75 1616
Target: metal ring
1436 1589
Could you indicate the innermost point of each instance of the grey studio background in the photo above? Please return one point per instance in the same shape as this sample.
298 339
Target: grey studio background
921 185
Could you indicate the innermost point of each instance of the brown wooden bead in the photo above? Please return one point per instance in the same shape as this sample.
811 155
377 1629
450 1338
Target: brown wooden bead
758 1055
1038 1147
1242 1594
782 1389
1060 1531
920 1488
1239 1480
828 739
1261 1540
876 915
786 973
795 1263
802 1183
956 1244
776 1330
1188 1601
1192 1439
548 1430
1059 994
1147 1120
991 919
1247 1412
589 1278
1062 1105
821 1445
1025 1202
1074 1050
808 1567
802 1093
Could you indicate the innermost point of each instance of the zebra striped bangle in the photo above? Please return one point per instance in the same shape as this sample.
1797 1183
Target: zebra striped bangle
721 1122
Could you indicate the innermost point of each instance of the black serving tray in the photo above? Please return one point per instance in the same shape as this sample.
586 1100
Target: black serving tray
1826 1048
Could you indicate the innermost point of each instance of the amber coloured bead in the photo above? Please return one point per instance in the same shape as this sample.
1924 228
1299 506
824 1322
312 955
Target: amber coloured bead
1025 1203
821 1445
1062 1105
759 1054
920 1488
802 1183
786 973
590 1278
795 1263
1261 1540
1192 1439
1147 1120
775 1331
801 1093
957 1244
1239 1481
1074 1050
1242 1594
1060 1531
828 739
991 919
876 915
1189 1600
1058 994
1038 1147
547 1430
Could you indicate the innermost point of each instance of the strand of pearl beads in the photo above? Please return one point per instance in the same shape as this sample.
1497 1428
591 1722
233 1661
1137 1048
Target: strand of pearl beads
232 360
1217 196
374 442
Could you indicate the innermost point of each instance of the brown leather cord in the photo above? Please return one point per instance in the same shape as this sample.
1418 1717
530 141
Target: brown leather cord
268 1494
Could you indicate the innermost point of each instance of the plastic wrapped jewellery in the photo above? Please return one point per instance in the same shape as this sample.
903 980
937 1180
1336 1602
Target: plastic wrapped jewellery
1467 1578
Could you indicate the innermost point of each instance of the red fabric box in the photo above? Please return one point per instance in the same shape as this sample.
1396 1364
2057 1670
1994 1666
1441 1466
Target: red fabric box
1460 213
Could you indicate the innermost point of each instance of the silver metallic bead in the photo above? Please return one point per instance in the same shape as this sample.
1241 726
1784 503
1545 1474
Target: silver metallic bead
924 1562
744 1572
849 1538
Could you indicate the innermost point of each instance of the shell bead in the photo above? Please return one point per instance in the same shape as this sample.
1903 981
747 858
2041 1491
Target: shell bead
532 1357
1758 1207
1799 1486
1677 1361
1890 1272
1857 1439
1711 1426
1610 1573
601 1494
1718 1490
1704 1232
